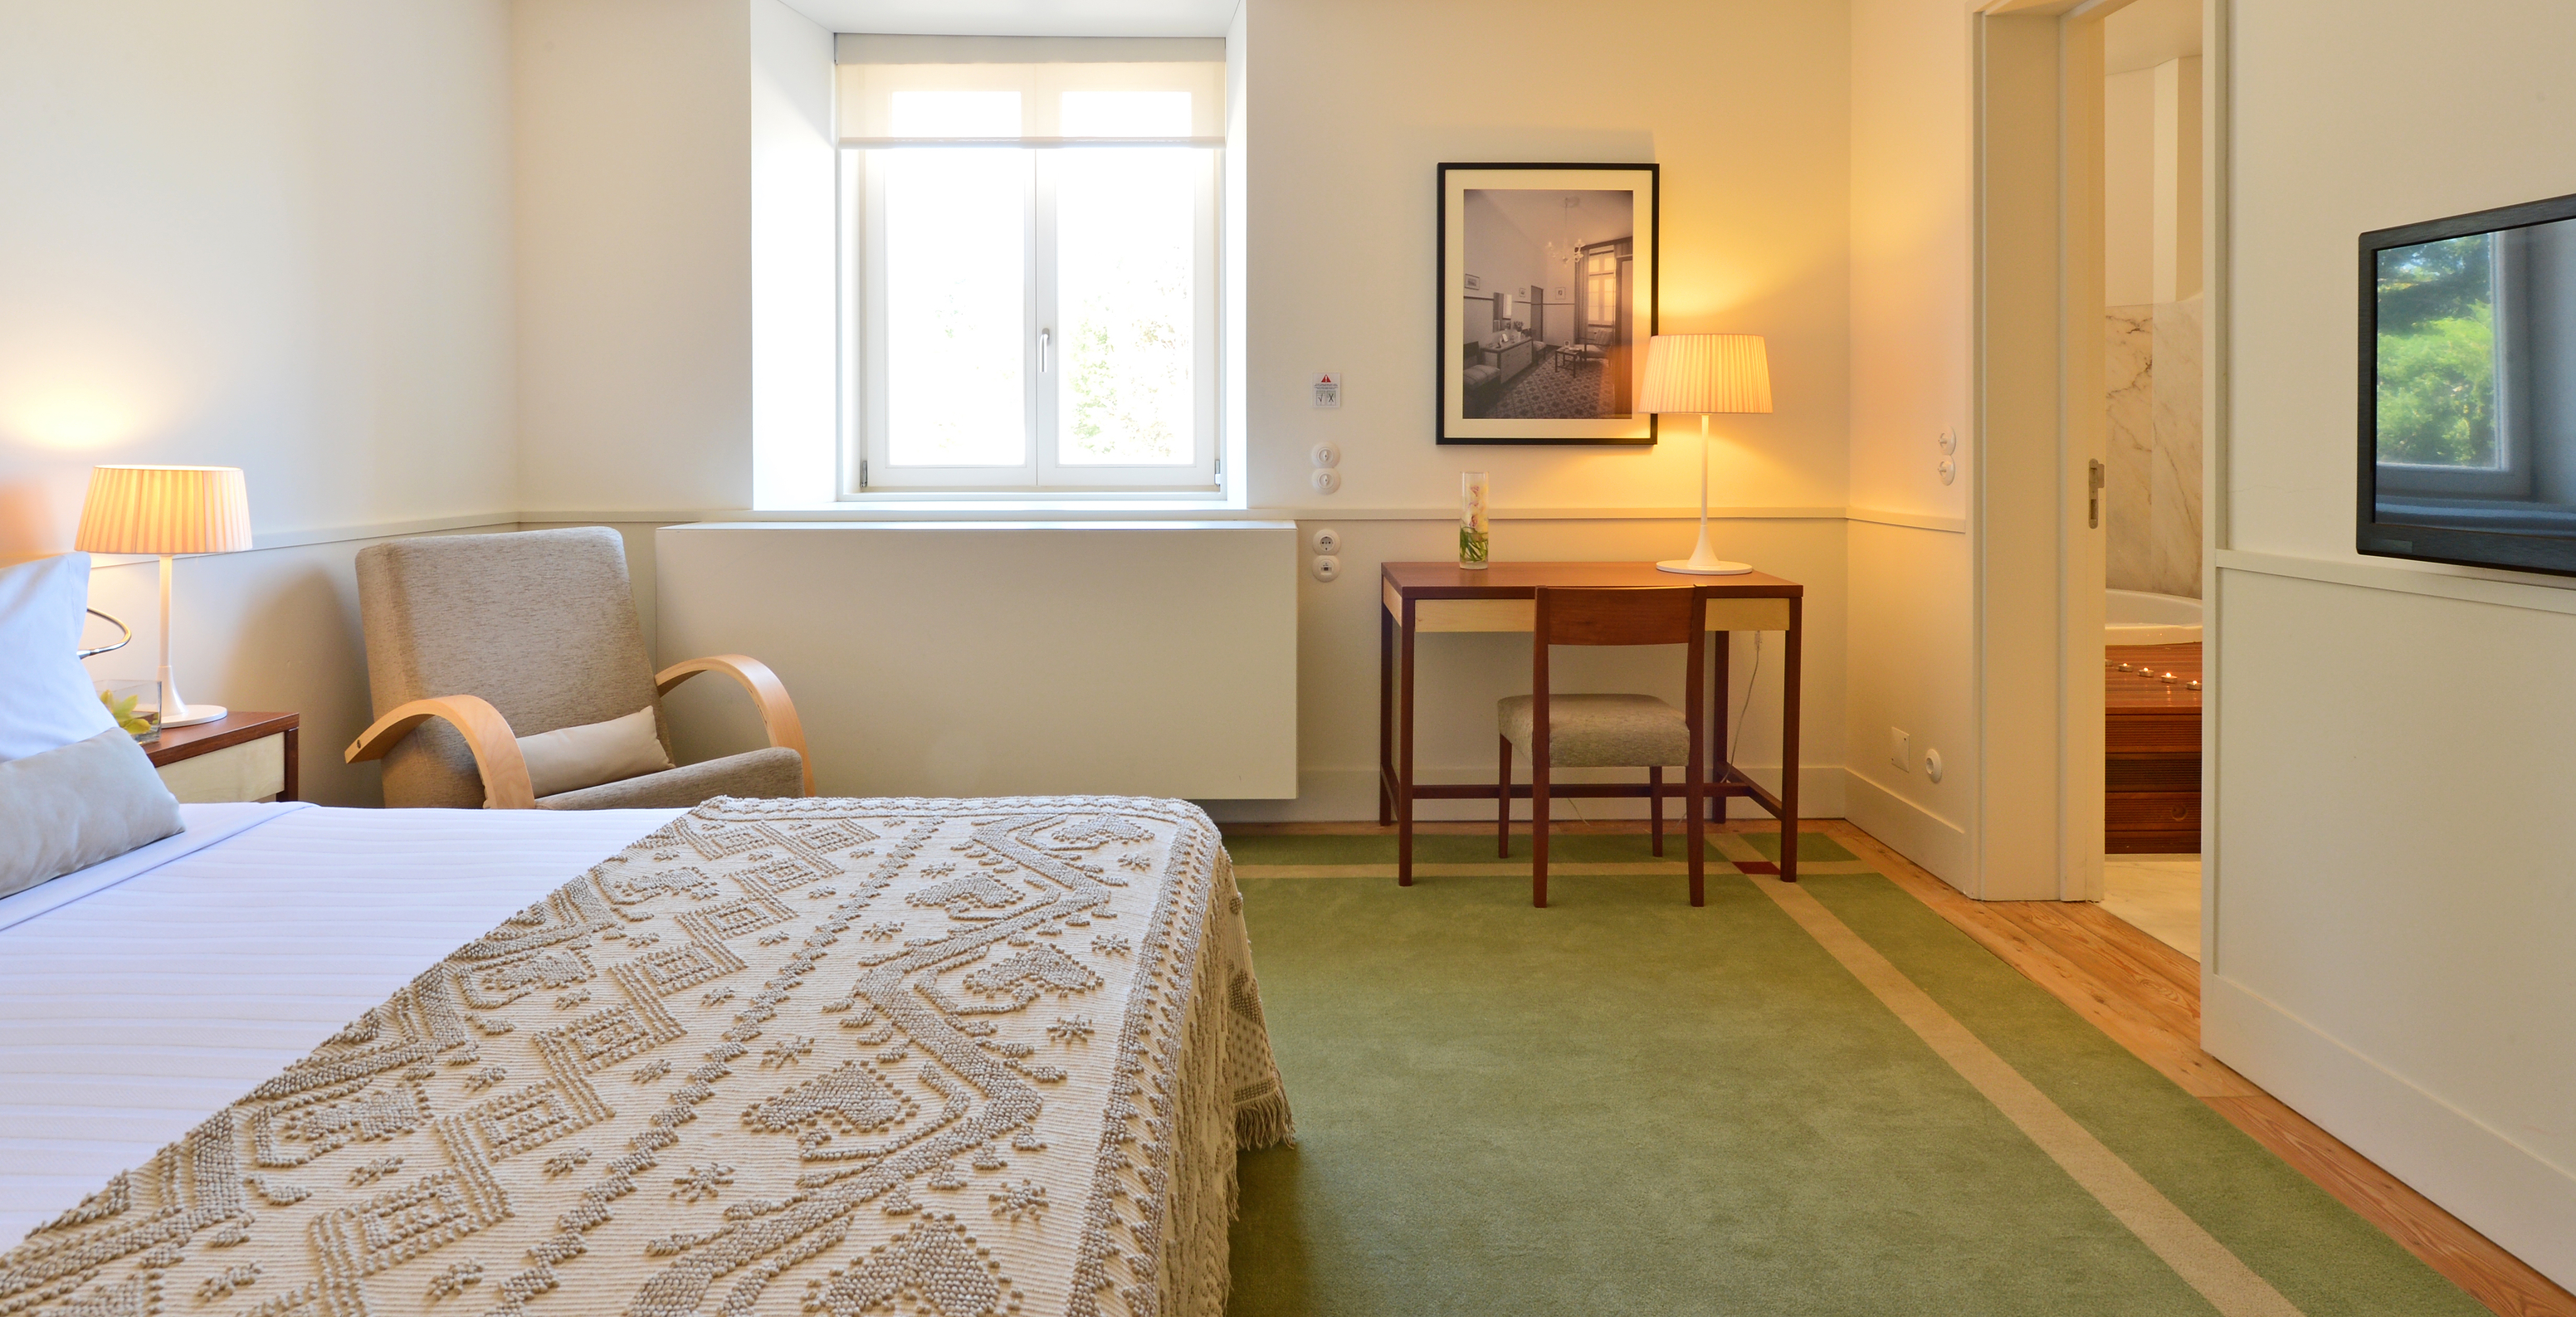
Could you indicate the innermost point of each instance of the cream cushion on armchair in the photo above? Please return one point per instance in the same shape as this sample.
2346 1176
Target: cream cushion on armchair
541 627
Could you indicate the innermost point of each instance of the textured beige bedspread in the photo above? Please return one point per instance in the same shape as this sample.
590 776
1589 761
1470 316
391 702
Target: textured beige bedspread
802 1058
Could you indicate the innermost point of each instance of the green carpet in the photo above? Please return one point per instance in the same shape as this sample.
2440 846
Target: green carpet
1623 1105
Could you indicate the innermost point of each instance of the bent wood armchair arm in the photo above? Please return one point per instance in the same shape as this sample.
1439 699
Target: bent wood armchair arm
777 712
486 732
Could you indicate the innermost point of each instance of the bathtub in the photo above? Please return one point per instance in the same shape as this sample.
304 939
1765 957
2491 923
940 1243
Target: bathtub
2135 617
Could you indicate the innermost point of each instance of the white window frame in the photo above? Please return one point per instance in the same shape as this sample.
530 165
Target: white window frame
867 471
2512 476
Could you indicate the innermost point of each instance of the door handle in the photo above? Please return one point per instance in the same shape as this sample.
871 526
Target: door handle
2093 494
1046 354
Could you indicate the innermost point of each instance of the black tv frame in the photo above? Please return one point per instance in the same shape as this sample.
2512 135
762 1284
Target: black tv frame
2398 539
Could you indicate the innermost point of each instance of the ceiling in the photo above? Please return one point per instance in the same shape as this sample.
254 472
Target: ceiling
2149 32
1024 18
1543 217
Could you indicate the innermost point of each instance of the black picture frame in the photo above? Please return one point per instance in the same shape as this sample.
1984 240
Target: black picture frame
1501 403
2427 538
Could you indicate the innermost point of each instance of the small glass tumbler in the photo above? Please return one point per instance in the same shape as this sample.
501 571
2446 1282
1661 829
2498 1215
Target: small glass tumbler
135 705
1472 538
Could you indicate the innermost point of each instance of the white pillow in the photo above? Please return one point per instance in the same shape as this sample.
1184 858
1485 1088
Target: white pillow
46 700
571 758
74 805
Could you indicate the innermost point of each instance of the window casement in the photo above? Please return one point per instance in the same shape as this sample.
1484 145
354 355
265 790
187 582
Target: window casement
1031 287
2474 443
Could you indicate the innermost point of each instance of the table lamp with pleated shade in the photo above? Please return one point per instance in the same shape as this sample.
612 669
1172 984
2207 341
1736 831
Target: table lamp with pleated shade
167 510
1705 373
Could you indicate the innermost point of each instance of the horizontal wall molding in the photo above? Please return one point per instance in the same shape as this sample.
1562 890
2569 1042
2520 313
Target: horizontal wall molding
1128 514
264 541
2466 584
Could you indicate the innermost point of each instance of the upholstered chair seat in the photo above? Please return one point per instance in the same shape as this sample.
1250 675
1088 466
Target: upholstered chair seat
1601 731
476 641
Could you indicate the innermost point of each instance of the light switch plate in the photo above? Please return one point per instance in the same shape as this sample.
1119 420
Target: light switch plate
1900 749
1327 480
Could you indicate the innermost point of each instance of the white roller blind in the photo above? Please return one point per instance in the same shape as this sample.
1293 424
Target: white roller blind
1029 91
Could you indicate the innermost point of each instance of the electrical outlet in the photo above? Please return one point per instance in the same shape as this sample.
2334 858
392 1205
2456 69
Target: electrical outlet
1327 541
1900 749
1327 568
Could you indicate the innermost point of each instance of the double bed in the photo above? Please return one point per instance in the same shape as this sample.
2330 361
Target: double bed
794 1056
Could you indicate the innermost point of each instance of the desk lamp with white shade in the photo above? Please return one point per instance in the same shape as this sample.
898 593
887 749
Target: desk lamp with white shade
167 510
1705 373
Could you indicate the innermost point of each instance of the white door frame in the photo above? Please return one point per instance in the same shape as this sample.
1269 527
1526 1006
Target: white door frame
2035 522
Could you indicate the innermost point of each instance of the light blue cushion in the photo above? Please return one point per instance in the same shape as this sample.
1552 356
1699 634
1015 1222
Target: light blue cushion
73 806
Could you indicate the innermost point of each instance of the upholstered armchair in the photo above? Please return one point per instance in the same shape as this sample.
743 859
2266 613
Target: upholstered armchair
477 641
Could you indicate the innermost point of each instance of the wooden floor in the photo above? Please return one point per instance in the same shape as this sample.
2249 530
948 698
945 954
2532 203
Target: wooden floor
2146 995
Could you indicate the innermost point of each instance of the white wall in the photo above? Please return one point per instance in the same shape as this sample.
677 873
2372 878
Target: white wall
1350 108
1910 375
635 393
2390 922
633 172
2129 188
267 234
795 290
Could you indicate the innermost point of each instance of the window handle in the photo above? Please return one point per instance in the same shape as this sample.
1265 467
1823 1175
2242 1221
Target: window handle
1046 351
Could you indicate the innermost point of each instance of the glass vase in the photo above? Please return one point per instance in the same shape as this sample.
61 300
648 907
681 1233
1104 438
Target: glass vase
1472 538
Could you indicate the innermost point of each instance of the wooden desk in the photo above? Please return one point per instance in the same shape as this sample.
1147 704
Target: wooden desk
240 756
1435 597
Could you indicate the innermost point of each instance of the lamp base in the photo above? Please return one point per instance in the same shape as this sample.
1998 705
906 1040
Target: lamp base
1713 567
197 713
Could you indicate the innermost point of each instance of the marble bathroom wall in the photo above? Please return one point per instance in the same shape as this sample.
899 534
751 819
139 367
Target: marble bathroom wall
2128 479
2152 480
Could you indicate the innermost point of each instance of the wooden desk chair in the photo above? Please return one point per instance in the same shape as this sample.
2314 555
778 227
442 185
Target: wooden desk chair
1607 731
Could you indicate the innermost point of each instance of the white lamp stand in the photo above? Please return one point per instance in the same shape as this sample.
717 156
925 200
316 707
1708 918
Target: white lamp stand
175 710
1704 560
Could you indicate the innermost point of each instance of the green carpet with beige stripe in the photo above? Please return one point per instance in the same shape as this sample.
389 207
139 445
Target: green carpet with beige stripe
1819 1099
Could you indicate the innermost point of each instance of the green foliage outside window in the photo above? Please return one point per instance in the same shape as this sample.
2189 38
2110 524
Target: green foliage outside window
2437 350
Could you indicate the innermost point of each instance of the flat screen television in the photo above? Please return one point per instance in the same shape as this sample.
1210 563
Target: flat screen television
2468 389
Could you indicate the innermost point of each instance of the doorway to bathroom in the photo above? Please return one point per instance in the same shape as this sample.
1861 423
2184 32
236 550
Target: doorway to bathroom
2150 483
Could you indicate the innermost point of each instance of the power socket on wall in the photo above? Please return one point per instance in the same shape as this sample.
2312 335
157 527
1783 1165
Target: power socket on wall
1900 749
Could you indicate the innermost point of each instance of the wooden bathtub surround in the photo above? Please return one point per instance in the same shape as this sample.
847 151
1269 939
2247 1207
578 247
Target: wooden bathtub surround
2151 750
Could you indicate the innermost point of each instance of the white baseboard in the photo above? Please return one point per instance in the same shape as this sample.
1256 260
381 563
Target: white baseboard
2477 1173
1343 795
1910 830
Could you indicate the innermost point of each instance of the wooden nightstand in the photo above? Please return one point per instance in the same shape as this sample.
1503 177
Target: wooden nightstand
241 756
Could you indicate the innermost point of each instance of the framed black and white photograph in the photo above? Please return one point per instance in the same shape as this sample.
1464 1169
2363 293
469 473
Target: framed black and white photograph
1547 298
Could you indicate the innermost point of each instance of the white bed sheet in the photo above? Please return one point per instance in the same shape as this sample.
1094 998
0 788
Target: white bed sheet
131 1013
